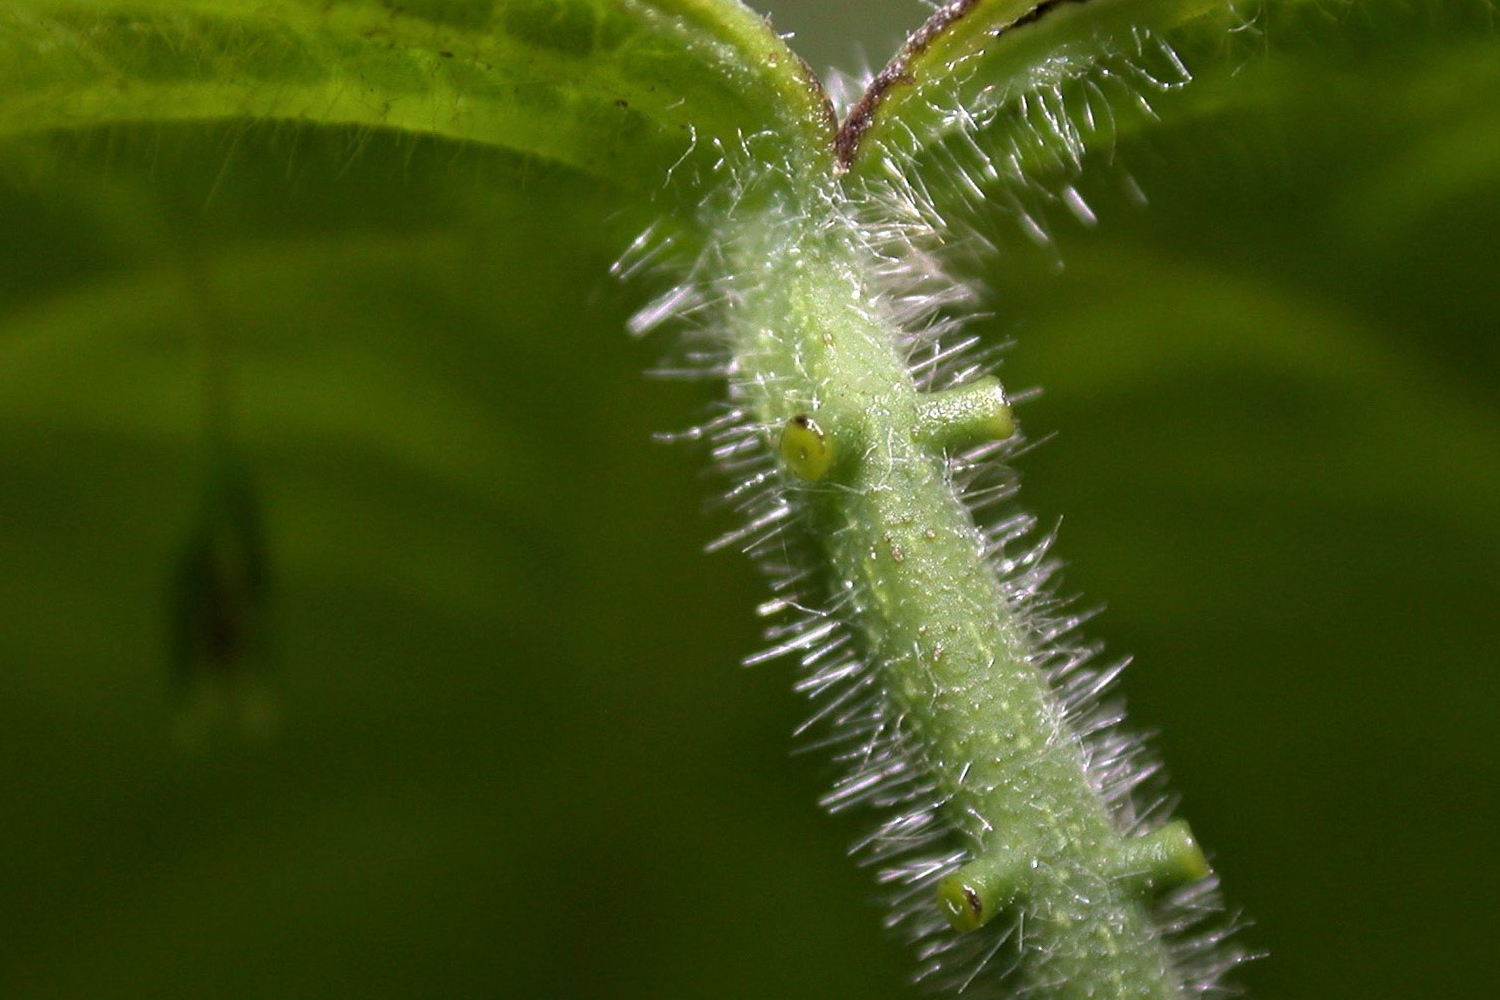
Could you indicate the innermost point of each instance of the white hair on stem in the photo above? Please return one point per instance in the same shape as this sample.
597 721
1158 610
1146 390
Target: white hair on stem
907 239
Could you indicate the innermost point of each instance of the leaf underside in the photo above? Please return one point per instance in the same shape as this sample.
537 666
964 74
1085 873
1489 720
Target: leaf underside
623 91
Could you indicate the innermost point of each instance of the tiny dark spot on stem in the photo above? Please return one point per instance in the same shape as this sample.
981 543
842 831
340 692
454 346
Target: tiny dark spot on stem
446 54
975 903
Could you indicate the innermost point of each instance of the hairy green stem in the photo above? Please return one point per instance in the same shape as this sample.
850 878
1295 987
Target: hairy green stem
904 561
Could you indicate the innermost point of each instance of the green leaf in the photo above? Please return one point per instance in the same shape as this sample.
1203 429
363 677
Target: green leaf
976 58
620 90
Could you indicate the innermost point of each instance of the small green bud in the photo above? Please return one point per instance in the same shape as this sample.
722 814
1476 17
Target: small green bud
806 449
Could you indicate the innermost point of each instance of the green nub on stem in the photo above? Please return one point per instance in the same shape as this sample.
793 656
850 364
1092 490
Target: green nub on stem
817 361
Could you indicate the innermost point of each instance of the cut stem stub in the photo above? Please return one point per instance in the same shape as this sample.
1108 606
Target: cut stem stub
1158 862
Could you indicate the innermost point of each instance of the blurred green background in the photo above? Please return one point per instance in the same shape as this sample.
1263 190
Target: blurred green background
496 743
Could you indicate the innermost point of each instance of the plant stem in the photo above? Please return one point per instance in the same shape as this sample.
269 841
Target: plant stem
966 710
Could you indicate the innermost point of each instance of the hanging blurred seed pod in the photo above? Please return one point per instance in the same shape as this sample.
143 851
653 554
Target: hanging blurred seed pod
220 585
